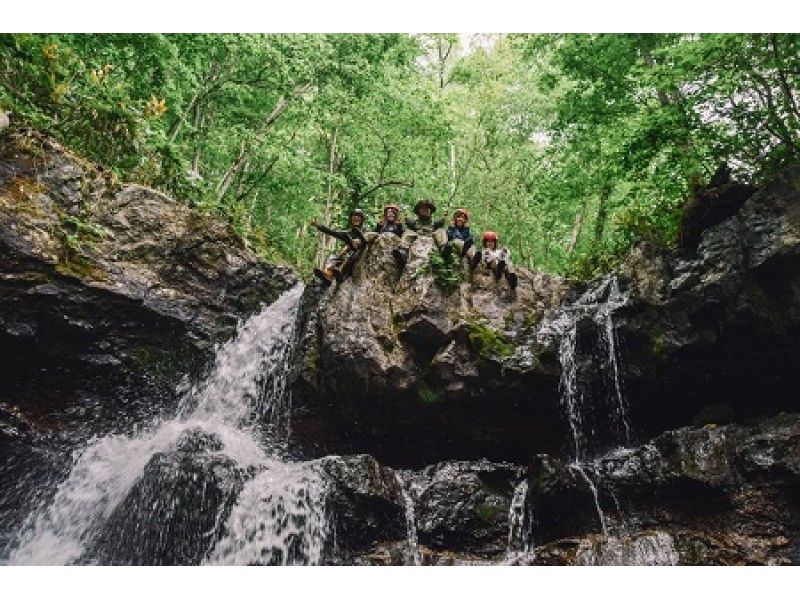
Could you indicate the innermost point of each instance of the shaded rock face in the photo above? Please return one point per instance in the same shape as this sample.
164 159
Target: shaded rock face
365 499
392 364
463 507
109 294
713 495
390 360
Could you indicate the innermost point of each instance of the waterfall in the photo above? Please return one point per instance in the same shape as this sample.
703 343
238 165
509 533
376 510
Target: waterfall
411 521
216 444
652 549
279 519
584 410
571 395
577 466
605 320
520 521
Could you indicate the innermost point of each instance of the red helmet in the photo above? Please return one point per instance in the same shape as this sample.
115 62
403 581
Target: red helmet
461 211
391 206
489 235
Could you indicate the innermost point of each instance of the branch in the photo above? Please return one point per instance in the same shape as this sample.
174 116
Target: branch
383 184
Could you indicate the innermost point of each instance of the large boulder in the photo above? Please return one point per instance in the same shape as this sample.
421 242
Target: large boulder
110 293
721 494
413 369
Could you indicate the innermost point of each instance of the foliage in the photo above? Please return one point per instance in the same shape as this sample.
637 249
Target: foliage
443 270
572 147
489 343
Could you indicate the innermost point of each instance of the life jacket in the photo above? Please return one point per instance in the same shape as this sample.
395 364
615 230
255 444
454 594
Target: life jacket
454 232
389 227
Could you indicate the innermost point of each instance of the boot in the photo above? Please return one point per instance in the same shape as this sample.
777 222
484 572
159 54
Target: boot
337 274
401 257
501 267
447 250
323 276
465 247
476 259
511 277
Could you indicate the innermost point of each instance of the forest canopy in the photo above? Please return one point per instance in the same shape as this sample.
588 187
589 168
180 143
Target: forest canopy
571 146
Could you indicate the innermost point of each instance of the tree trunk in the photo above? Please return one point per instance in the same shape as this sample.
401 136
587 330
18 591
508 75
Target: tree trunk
576 228
602 214
247 150
323 245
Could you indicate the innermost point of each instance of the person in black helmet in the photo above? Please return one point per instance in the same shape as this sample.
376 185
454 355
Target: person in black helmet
338 264
390 224
424 223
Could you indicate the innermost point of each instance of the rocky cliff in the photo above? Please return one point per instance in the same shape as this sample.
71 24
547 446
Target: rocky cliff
109 293
395 364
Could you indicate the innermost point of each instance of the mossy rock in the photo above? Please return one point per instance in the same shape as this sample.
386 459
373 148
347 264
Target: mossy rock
489 343
428 395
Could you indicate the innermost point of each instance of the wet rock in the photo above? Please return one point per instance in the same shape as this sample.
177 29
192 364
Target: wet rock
109 293
366 500
463 507
391 356
173 514
724 495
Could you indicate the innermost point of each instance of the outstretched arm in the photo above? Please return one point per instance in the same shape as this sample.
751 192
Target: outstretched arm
341 235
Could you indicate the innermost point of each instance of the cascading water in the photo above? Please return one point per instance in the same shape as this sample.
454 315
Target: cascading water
599 305
218 438
415 558
520 522
651 549
605 321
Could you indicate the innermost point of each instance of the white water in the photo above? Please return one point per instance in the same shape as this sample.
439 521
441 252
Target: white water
520 522
245 387
278 519
600 306
411 522
576 466
651 549
571 395
605 320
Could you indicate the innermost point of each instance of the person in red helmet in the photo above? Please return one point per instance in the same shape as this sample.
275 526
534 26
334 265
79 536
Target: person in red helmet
497 259
457 236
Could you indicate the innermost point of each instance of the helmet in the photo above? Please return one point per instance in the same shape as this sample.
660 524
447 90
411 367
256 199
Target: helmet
357 212
391 206
489 235
424 202
461 211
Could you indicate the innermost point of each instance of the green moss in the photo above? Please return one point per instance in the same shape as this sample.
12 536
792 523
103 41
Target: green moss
80 267
428 395
531 319
657 345
444 272
489 343
488 512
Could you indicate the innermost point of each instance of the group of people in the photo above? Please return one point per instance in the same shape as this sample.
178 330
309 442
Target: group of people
453 240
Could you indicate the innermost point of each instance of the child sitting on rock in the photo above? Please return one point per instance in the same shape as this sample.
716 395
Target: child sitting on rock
497 259
456 236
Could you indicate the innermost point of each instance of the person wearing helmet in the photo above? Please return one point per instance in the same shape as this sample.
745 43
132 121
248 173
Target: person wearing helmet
424 223
390 223
457 236
338 264
497 259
